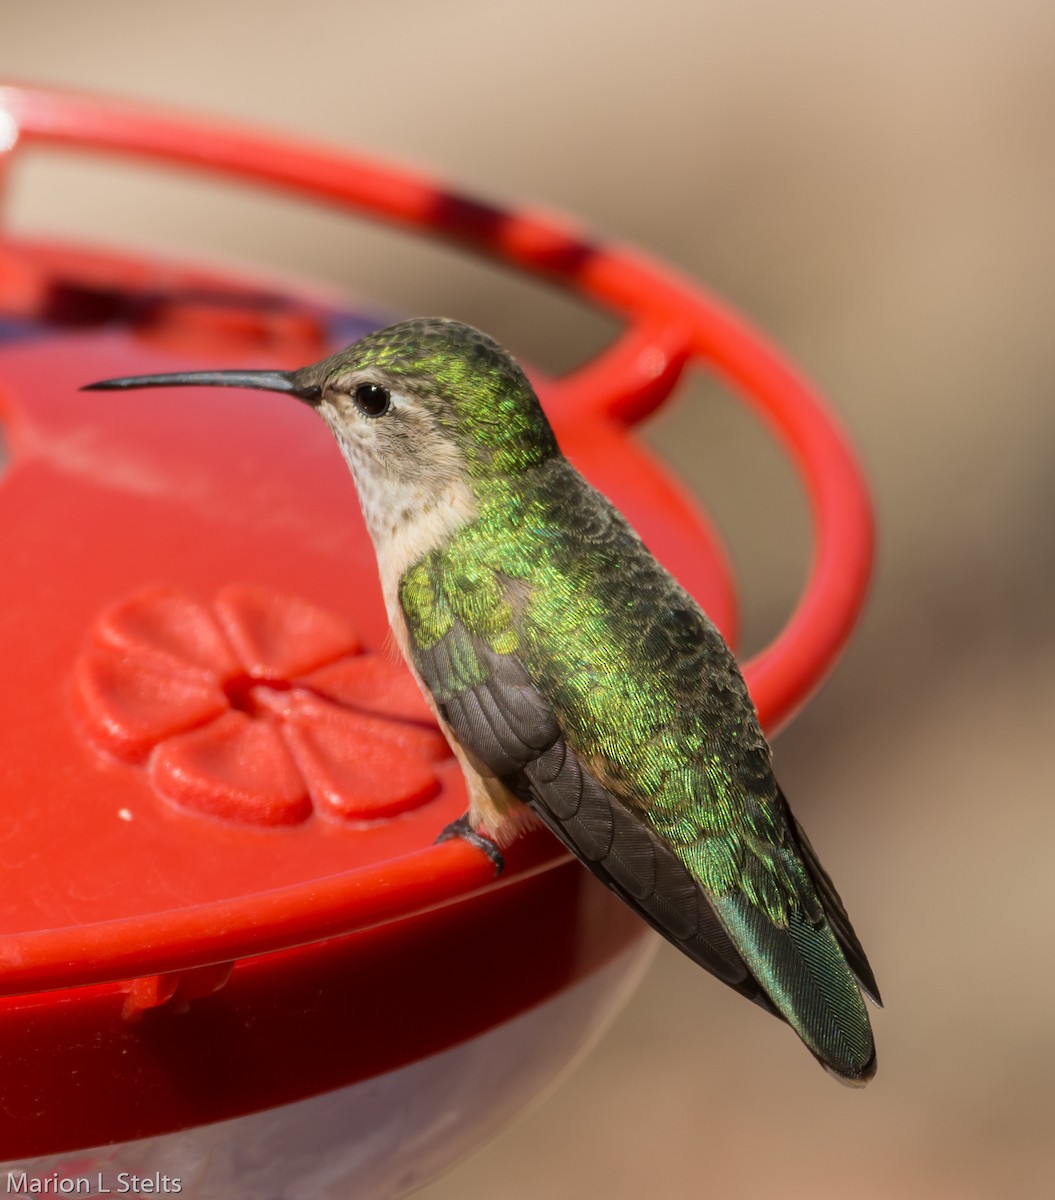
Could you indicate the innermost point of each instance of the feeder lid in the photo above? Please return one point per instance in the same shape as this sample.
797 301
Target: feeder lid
212 755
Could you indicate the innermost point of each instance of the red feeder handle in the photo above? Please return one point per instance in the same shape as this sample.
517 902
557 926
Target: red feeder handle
671 321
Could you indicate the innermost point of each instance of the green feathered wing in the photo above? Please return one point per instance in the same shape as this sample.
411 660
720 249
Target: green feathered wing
570 665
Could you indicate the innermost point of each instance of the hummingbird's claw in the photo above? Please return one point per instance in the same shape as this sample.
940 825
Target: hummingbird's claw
463 830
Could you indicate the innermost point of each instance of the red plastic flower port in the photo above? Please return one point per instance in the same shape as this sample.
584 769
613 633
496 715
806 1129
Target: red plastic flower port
259 707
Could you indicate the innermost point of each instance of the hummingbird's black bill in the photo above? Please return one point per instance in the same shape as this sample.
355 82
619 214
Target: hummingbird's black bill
265 381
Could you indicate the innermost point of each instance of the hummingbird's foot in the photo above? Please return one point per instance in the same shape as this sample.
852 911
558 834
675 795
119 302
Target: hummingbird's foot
463 830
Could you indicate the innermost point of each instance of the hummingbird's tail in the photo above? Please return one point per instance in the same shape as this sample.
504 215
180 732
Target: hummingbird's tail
812 967
804 972
848 940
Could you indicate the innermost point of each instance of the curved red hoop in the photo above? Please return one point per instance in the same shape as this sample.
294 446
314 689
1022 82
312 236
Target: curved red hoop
671 321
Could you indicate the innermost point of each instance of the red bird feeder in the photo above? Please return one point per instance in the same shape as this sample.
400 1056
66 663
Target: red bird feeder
230 954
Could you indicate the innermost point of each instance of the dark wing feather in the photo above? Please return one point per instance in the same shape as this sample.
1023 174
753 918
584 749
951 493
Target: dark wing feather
834 910
504 722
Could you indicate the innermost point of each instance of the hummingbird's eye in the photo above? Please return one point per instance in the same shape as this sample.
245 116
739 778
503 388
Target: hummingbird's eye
372 399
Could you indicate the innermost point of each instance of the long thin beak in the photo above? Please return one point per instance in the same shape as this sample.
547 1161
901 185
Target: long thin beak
265 381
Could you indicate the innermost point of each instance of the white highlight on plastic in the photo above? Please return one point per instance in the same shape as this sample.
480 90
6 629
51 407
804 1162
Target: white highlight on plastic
8 131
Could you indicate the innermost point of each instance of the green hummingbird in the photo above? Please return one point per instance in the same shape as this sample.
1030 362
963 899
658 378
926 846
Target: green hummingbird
578 684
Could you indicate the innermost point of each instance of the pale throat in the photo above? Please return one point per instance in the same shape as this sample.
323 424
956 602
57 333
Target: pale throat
415 520
408 517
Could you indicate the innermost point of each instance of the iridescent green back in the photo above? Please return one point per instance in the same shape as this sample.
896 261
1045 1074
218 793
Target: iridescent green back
649 698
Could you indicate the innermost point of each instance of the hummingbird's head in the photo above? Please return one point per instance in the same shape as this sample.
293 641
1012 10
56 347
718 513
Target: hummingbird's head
428 400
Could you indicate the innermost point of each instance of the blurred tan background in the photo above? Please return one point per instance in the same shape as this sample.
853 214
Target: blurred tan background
874 185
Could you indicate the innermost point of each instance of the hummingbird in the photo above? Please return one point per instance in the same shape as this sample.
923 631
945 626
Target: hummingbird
579 685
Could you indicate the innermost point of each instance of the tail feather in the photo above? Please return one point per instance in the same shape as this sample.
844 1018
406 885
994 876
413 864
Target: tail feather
803 971
834 910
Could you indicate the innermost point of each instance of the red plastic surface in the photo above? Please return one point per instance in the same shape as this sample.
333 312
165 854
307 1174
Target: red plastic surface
194 643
